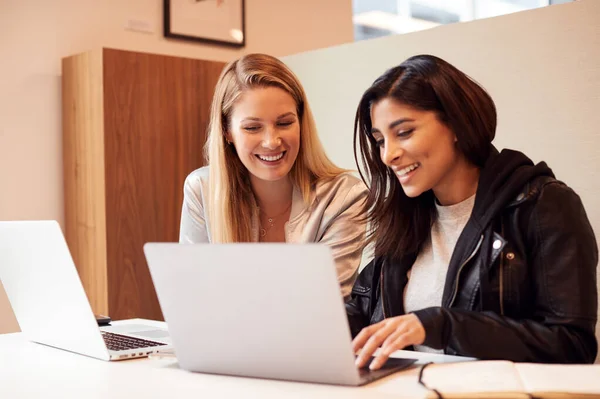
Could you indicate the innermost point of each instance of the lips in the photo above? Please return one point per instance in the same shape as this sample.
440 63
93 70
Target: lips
271 157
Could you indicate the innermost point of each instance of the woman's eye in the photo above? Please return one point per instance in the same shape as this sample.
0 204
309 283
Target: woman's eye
379 143
251 128
405 133
285 124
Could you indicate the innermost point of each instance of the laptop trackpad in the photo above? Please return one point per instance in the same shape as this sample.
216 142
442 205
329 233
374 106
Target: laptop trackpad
391 366
141 331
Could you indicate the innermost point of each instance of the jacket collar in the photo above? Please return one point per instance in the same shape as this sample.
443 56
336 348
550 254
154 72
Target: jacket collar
502 179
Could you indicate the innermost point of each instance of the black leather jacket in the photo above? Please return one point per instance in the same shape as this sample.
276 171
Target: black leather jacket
521 284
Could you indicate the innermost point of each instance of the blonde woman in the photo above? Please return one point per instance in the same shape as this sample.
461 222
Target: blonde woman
268 178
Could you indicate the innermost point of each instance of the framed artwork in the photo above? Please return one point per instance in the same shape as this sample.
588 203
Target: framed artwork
210 21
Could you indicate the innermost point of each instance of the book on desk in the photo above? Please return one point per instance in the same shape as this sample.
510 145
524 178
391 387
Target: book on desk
505 379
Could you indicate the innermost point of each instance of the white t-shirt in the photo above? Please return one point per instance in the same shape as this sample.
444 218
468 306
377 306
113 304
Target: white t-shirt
427 277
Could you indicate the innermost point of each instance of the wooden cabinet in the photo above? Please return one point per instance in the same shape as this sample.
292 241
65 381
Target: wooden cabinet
134 125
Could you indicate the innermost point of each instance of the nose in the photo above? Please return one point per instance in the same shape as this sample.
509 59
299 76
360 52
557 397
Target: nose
391 153
271 139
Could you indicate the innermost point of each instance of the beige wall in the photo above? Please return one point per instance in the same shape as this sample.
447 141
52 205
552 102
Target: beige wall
35 34
542 67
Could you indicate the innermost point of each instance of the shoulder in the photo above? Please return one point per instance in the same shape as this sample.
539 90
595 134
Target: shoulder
550 208
197 181
198 177
556 200
545 189
346 186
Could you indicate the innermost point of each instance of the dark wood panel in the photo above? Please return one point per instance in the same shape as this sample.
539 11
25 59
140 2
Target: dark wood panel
156 116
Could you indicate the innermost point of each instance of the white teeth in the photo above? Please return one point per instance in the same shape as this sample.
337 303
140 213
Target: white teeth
409 168
271 158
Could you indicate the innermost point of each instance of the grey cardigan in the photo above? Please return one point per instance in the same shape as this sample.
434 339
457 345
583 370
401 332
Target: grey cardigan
328 220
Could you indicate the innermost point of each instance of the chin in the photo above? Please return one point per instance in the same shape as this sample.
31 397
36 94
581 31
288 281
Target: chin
271 175
412 192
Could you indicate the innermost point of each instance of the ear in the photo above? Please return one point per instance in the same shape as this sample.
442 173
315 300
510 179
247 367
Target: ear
228 137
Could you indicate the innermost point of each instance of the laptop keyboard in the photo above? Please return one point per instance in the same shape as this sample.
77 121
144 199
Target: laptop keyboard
118 342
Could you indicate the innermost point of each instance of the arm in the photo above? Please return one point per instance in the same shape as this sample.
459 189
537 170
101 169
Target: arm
346 235
561 330
193 225
363 297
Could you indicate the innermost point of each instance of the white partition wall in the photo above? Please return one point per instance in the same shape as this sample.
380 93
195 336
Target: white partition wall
542 67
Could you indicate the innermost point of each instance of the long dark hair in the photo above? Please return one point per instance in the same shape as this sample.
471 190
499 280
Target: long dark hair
399 224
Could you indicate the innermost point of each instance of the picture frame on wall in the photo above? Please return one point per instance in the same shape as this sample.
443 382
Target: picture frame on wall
220 22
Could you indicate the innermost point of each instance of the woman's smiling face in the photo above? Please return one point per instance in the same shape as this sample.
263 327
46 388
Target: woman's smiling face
265 130
418 147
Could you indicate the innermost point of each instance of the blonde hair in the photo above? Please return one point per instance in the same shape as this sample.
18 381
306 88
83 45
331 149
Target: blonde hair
231 199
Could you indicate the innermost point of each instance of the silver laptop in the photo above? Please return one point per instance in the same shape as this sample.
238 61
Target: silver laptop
257 310
49 301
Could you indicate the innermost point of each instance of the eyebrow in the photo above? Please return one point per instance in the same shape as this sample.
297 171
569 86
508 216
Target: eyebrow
279 117
393 124
286 114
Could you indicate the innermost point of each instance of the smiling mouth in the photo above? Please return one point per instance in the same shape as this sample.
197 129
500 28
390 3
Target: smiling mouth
405 171
271 158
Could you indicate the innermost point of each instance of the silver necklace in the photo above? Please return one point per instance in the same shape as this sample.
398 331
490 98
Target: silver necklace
271 220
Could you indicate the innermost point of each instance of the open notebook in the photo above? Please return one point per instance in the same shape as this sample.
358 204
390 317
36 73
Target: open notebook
504 379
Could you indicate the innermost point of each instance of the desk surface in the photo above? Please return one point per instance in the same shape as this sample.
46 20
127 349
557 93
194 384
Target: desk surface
32 370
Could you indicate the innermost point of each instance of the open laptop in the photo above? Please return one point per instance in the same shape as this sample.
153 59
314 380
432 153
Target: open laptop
258 310
49 301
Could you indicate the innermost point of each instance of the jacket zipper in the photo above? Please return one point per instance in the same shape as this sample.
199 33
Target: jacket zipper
461 268
382 299
502 276
501 283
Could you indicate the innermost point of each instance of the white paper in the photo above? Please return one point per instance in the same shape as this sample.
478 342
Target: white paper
471 377
578 379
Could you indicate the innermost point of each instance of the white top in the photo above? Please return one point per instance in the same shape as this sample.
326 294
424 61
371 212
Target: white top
427 277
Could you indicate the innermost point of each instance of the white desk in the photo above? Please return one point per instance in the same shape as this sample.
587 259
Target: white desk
32 370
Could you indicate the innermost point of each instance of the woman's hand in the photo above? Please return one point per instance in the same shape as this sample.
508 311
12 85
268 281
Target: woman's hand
391 335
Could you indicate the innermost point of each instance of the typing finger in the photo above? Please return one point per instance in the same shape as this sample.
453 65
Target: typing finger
387 349
371 345
362 337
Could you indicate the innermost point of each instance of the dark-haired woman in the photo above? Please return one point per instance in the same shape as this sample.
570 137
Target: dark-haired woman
477 252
